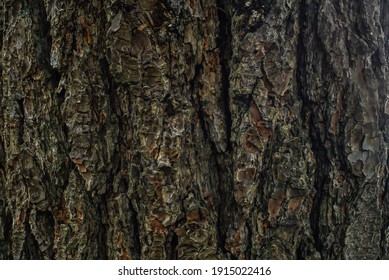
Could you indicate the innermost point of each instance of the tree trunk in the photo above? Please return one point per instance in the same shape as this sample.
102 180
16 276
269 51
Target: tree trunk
194 129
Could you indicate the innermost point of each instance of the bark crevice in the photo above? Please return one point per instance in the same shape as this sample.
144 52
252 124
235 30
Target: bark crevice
224 43
136 231
30 246
223 160
307 115
44 46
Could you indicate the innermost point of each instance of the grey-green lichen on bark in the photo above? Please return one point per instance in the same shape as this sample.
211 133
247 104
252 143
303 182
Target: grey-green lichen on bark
194 129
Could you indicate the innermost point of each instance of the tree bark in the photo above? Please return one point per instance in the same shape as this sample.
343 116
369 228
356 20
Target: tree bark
194 129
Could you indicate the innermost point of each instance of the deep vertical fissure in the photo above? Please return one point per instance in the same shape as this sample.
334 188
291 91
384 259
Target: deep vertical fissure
135 230
173 247
102 231
194 85
44 49
224 43
383 123
308 118
7 235
31 246
224 160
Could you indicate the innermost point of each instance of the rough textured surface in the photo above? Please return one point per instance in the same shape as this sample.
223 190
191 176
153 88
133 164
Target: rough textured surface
194 129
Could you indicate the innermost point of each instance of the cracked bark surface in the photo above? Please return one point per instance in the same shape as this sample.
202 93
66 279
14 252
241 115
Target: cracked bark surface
194 129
